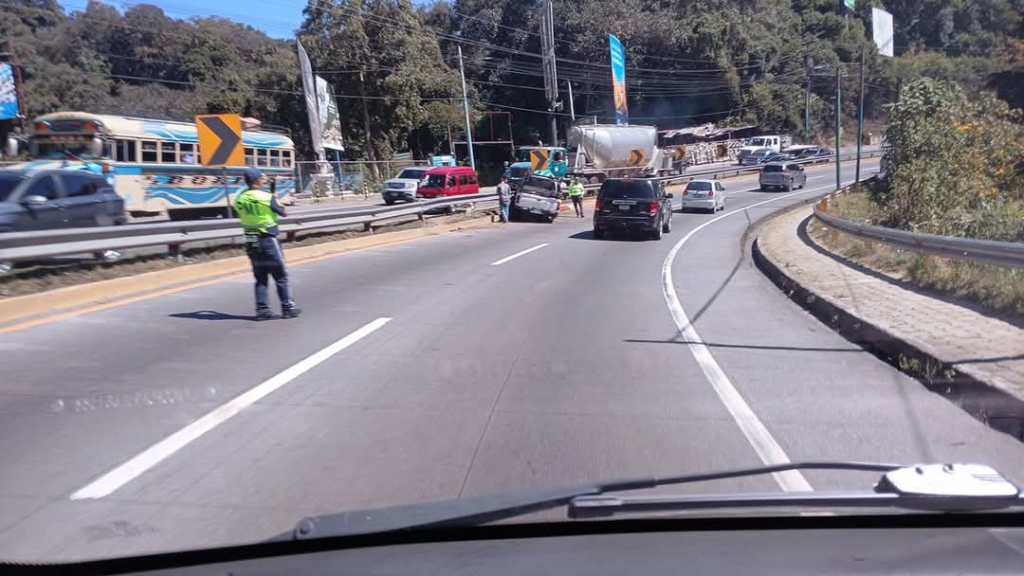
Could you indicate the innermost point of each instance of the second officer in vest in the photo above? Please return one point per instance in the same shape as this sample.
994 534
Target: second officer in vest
258 210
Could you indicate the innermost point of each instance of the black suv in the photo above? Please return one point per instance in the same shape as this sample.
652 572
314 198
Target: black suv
632 204
33 200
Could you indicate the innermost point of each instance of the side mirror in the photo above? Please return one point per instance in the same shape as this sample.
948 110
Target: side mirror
670 196
33 200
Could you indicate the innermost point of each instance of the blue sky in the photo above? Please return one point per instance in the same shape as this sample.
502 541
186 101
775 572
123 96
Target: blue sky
278 18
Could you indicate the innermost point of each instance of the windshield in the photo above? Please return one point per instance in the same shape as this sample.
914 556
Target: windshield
413 174
8 182
240 318
540 187
519 172
639 189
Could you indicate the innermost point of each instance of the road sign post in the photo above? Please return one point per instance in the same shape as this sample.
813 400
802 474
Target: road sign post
220 145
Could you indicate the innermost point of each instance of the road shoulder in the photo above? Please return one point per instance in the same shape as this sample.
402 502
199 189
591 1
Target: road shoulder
935 339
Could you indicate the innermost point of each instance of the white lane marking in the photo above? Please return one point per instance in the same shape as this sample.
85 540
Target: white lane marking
518 254
767 448
118 477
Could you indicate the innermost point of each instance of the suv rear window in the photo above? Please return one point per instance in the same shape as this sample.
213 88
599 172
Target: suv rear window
540 187
773 168
699 186
641 189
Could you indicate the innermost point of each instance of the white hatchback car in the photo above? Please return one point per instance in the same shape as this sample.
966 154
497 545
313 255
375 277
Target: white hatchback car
704 195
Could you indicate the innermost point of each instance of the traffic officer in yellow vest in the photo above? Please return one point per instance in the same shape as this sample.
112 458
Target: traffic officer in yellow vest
258 210
576 194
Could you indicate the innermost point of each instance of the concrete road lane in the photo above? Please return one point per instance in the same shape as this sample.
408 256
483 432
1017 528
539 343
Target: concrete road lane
560 364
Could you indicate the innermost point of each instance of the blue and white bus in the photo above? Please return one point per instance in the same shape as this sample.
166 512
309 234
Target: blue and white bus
156 162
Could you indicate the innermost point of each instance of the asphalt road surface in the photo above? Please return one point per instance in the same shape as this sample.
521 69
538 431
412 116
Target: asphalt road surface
519 356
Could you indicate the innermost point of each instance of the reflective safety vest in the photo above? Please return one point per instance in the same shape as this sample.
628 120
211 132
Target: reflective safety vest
254 210
576 189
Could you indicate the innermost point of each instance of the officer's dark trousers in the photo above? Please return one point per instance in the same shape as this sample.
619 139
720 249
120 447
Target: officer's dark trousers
267 261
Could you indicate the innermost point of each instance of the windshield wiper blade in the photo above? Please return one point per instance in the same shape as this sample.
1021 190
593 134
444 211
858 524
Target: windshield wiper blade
930 487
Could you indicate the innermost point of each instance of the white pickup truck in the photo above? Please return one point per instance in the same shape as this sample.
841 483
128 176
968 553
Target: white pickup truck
756 148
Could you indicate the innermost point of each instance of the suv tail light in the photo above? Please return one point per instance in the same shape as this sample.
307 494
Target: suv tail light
653 208
711 193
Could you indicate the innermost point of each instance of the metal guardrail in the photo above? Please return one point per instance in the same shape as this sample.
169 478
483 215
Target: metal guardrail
1009 254
43 244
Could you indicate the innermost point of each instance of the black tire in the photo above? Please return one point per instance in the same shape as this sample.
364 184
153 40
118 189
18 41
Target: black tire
388 201
667 226
656 233
598 233
763 188
789 186
550 219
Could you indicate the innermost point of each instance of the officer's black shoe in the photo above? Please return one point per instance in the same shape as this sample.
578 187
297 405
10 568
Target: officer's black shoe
264 314
292 311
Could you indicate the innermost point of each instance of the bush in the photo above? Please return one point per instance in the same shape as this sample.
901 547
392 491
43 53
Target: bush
953 164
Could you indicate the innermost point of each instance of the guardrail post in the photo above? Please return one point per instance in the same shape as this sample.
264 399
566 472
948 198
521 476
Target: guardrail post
174 250
290 236
368 227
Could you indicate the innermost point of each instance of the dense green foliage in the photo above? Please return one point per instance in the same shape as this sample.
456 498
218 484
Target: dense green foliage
954 164
690 61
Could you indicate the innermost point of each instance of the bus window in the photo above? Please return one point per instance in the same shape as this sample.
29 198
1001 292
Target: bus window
261 157
187 153
124 150
286 158
108 149
148 151
275 158
168 155
250 158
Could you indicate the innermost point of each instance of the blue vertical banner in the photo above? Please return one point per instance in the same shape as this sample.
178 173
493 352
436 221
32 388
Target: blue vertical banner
8 93
619 80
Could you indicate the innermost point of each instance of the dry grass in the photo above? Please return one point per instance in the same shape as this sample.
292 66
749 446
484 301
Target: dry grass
993 288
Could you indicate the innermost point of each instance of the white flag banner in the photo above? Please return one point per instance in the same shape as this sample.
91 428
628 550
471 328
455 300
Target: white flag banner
881 25
312 109
330 121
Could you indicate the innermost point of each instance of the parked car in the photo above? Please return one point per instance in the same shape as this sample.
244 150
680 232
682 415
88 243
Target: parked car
633 204
39 199
449 181
815 154
538 196
404 186
704 195
782 176
756 157
779 157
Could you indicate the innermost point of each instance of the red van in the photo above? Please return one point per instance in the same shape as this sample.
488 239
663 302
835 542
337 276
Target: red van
449 181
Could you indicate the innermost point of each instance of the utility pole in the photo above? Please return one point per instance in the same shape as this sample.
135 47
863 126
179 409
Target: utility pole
572 106
547 39
860 115
807 100
838 127
465 109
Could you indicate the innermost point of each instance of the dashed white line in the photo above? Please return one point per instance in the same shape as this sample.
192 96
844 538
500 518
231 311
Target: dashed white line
518 254
767 448
128 471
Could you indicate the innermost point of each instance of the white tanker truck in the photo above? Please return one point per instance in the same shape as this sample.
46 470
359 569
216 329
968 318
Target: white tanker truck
600 151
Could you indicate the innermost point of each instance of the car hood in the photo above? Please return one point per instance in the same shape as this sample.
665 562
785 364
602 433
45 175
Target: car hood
405 181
